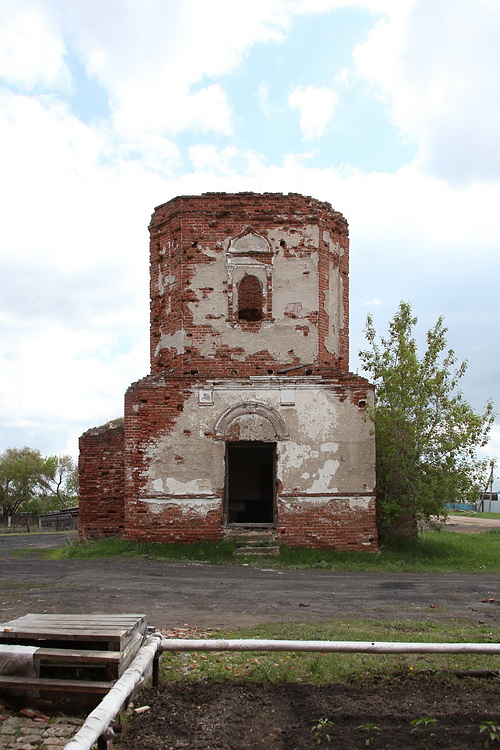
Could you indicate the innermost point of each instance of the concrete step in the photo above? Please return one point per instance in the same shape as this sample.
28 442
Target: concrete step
253 541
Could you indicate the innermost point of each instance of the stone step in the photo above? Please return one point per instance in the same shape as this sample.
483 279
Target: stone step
250 533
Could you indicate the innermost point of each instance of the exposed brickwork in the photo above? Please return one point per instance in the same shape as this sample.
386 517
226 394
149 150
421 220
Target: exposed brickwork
249 306
334 525
101 470
184 229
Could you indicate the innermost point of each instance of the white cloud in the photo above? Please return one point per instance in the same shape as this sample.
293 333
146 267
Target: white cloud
76 197
152 58
206 156
438 69
31 54
316 106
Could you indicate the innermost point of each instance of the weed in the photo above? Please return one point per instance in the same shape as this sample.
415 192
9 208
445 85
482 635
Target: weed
493 732
369 727
281 667
319 729
425 722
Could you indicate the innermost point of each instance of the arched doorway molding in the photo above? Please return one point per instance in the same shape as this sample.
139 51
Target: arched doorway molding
222 427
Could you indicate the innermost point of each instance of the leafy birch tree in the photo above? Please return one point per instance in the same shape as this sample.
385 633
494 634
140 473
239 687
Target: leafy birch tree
30 482
427 434
24 475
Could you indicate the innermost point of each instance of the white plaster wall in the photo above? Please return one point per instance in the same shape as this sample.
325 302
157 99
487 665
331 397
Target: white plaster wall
295 284
329 450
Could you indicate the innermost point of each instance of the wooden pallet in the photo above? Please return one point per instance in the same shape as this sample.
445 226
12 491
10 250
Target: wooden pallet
76 654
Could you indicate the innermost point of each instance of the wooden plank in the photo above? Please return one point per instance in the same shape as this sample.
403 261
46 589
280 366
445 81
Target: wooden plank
83 625
79 615
46 630
73 622
53 685
129 652
80 623
77 656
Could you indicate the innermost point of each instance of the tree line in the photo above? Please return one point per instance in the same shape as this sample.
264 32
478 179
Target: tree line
30 482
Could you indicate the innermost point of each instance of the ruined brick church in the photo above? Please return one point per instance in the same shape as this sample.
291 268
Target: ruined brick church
249 418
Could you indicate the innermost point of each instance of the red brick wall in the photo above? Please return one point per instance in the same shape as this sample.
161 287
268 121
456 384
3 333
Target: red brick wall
333 524
152 407
183 227
101 472
114 462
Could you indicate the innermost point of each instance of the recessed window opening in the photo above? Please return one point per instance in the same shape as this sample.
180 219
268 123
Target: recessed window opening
250 298
250 482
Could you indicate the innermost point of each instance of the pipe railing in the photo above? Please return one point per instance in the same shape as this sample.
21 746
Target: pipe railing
97 723
362 647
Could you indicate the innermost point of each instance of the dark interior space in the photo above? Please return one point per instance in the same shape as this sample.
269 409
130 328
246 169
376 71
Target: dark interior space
250 482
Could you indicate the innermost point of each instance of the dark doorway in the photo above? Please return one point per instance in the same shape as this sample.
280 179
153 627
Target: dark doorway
250 482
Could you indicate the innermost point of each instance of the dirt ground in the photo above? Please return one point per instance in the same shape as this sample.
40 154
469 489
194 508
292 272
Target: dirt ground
202 716
292 716
230 596
470 524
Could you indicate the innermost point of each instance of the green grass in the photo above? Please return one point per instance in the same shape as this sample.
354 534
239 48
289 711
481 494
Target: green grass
219 552
279 667
434 551
41 552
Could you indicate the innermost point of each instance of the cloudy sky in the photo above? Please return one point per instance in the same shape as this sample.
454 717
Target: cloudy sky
388 109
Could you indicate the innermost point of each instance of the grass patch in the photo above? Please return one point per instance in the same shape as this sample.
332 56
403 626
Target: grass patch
41 552
219 552
434 551
279 667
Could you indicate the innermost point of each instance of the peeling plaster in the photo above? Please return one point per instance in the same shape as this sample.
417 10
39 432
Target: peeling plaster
164 282
325 475
297 504
309 459
330 447
292 455
193 487
199 507
172 341
279 336
333 306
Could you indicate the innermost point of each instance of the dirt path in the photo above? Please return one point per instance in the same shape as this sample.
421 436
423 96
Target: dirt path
470 524
174 594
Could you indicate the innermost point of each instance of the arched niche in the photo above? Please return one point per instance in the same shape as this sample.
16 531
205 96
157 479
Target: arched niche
251 421
249 243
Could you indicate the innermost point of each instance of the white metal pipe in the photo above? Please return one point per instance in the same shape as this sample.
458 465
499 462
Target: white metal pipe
101 717
98 721
363 647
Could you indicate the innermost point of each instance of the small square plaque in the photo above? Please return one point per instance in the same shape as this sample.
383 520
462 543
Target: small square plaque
205 397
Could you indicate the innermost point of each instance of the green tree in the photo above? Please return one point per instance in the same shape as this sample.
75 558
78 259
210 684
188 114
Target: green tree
61 489
427 434
24 475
